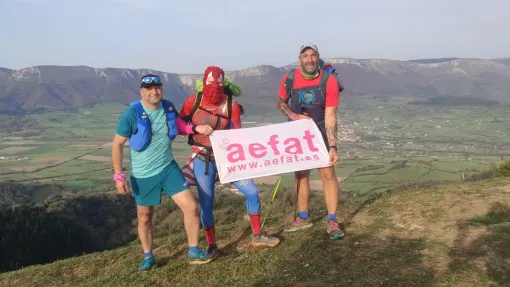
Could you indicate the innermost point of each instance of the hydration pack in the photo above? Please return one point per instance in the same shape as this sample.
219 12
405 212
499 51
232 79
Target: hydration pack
141 138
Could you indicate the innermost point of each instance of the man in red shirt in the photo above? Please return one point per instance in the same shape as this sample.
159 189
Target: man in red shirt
314 94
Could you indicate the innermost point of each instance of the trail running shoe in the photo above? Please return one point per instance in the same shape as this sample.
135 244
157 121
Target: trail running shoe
198 257
262 239
147 264
298 224
212 251
334 230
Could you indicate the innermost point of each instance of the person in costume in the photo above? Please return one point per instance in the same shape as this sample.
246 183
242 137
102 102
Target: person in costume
213 107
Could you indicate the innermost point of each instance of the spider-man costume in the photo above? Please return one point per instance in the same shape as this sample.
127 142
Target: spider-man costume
213 111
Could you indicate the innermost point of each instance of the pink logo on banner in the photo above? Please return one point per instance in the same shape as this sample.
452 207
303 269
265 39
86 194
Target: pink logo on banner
268 150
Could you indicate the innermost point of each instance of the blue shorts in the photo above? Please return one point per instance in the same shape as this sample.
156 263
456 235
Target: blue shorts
147 191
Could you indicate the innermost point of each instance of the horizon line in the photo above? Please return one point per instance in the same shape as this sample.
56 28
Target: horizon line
446 59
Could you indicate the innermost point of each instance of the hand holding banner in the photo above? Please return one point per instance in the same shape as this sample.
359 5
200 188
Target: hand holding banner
268 150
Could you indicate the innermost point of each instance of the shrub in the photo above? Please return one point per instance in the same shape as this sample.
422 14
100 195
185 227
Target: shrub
503 170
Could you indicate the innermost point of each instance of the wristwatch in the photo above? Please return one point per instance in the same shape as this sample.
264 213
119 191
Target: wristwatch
334 147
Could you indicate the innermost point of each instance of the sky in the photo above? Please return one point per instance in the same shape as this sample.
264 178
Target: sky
187 36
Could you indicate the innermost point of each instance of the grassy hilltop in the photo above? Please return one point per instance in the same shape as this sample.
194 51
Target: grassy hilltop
442 235
402 228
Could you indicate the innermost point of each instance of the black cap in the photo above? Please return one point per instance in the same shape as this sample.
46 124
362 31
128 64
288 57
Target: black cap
150 80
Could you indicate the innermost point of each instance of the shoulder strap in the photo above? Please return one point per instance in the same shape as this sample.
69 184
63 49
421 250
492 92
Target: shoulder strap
229 107
196 104
324 80
140 119
289 83
227 91
168 107
139 109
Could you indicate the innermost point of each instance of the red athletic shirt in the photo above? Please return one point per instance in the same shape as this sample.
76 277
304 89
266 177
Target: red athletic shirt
332 91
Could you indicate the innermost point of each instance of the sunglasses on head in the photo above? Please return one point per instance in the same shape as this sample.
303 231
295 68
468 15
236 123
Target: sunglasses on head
150 80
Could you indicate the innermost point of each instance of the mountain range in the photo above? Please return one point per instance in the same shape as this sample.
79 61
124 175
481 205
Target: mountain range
73 87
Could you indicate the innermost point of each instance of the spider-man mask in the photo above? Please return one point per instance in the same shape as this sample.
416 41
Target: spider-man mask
213 85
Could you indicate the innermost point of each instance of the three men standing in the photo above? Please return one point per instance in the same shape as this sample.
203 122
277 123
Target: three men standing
151 124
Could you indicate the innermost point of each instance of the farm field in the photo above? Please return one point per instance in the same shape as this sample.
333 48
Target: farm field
76 165
74 149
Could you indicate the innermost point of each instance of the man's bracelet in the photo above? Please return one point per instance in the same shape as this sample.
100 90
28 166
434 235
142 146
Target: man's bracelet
119 176
333 147
194 129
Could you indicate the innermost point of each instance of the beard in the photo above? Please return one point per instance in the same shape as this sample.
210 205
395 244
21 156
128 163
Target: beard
155 99
309 68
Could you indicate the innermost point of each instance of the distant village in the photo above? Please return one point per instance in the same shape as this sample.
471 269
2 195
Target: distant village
346 133
13 157
379 135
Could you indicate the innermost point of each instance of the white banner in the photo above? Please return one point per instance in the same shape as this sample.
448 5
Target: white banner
267 150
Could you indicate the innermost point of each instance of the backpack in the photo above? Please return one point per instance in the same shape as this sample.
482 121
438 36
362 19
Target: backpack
332 71
196 106
326 71
141 138
289 82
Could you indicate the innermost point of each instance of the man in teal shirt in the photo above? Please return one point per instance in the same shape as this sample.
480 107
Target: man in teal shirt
154 169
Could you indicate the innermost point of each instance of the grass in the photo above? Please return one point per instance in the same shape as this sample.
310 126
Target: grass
499 213
490 246
406 238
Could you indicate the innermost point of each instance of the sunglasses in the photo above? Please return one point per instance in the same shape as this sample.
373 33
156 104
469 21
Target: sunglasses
150 80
